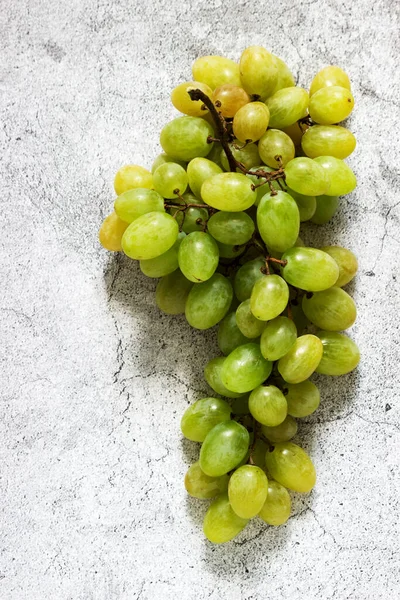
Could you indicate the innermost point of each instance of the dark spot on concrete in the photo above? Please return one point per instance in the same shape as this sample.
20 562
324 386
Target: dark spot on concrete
54 51
370 274
388 407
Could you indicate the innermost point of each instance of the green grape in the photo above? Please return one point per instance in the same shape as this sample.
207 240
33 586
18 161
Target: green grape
229 334
150 235
223 448
290 466
198 256
275 143
246 277
199 418
332 309
165 263
287 106
328 140
234 228
345 260
281 433
170 180
208 302
309 269
258 453
277 507
251 121
247 491
247 322
329 76
302 398
131 177
340 354
182 101
198 170
295 132
172 292
229 251
278 221
305 176
134 203
245 369
199 485
215 71
269 297
215 154
247 155
231 192
228 98
161 159
195 219
212 374
341 177
306 205
258 71
301 360
111 231
221 523
285 78
331 105
185 138
268 405
262 190
325 209
277 338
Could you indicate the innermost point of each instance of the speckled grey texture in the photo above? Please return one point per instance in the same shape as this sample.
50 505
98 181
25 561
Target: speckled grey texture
94 379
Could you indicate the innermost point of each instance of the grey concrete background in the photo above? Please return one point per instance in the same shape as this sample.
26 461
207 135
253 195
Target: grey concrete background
94 379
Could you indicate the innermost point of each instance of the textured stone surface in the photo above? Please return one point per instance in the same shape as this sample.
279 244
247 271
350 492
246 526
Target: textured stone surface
94 379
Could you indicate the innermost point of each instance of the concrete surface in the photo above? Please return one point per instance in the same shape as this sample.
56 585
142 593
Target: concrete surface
94 379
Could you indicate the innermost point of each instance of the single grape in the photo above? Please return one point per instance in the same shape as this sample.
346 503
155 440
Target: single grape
277 338
277 507
199 485
290 466
251 121
111 231
329 76
247 491
230 192
305 176
287 106
268 405
209 302
281 433
275 143
302 359
199 418
165 263
345 260
325 209
170 180
340 354
269 297
212 374
306 204
229 334
278 221
302 398
247 155
258 71
285 78
198 170
328 140
163 158
131 177
195 219
198 256
221 523
245 369
247 322
246 277
215 71
134 203
296 132
228 98
309 269
233 228
341 177
331 105
332 309
172 292
223 448
185 138
182 101
150 235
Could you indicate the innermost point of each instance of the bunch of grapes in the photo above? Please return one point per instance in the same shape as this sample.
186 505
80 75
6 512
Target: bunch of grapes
217 220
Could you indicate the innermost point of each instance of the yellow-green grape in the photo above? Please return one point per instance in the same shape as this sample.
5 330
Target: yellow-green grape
131 177
258 71
302 398
281 433
221 524
229 334
229 99
278 221
341 177
229 250
332 309
233 228
277 507
345 260
287 106
262 188
195 218
199 418
182 101
215 71
240 406
247 322
331 105
223 448
268 405
251 121
340 356
165 263
277 338
199 485
328 140
212 374
172 292
198 256
306 204
150 235
248 155
198 170
246 277
170 180
269 297
245 368
208 302
329 76
285 78
134 203
228 191
276 148
185 138
325 209
296 132
163 158
291 466
305 176
309 269
247 491
302 359
111 231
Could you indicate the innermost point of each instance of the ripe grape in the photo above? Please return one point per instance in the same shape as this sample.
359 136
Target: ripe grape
212 374
332 309
285 78
208 302
131 177
345 260
268 405
331 105
302 398
251 121
329 76
199 418
290 466
182 101
163 158
165 263
277 338
281 433
229 334
277 506
172 292
287 106
170 180
258 71
230 192
247 322
309 269
245 368
233 228
150 235
305 176
341 177
278 221
328 140
215 71
223 448
134 203
198 170
199 485
247 491
229 98
221 523
340 354
247 155
185 138
198 256
274 145
302 359
111 232
269 297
